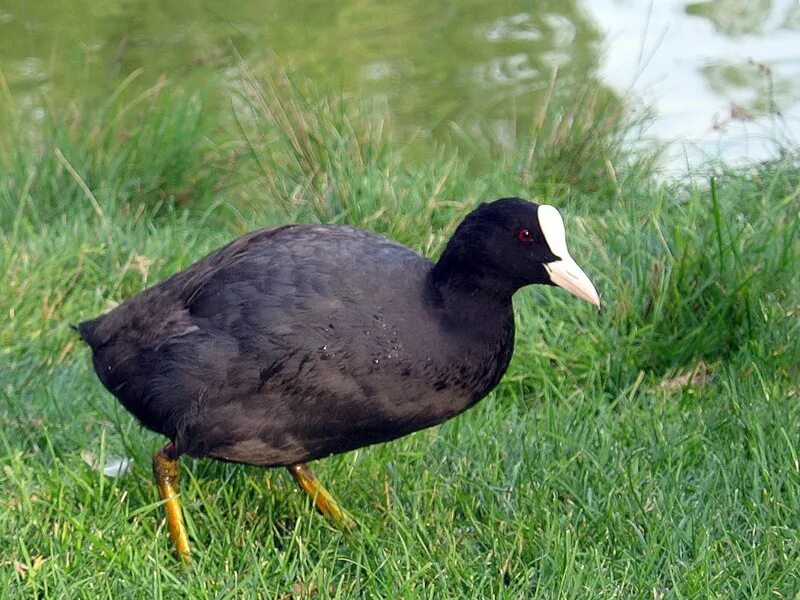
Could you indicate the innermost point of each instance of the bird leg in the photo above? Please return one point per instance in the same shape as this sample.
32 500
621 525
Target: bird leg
322 498
165 470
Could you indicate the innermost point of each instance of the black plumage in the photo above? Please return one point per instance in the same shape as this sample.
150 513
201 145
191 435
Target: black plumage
302 341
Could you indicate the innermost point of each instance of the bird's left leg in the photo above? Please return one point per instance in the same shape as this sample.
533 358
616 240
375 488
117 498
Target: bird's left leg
165 470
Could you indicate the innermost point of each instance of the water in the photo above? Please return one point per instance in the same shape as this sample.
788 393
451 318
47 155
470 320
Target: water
721 76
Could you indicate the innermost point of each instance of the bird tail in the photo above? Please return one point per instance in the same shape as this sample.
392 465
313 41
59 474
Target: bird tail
87 331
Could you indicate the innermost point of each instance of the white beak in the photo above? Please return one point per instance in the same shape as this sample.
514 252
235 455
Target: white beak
564 272
568 275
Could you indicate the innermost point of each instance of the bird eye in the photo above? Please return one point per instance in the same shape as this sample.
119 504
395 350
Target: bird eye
525 235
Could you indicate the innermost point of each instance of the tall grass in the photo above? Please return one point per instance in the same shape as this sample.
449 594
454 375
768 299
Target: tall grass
648 451
139 151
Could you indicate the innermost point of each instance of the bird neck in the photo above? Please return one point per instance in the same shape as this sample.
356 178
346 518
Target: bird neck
475 309
465 280
469 297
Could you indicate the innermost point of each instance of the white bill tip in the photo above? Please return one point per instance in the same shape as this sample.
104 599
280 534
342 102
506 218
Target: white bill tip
565 272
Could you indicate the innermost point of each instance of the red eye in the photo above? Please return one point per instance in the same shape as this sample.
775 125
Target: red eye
525 235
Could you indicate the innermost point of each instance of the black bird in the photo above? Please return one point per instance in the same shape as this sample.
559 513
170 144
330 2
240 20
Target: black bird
302 341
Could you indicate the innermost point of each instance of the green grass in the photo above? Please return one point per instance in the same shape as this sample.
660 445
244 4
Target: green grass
649 451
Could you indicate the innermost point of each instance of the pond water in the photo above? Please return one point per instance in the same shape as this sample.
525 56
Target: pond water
721 76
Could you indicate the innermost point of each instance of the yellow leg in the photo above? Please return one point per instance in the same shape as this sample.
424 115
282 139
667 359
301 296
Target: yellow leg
321 497
166 473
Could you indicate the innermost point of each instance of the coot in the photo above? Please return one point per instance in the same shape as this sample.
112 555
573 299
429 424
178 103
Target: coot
302 341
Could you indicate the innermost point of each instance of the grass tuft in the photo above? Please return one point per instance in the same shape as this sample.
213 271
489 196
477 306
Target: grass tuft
145 152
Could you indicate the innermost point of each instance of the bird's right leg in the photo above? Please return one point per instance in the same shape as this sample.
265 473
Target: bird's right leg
323 499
